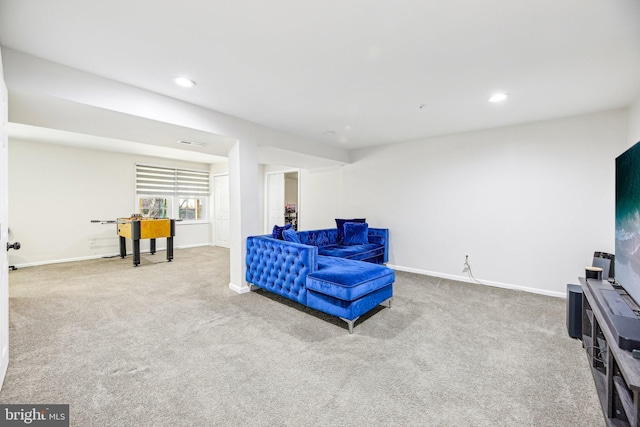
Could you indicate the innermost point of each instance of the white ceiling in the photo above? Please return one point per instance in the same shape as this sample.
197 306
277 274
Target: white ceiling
371 71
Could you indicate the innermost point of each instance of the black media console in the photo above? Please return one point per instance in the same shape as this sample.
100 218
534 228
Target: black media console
616 306
609 333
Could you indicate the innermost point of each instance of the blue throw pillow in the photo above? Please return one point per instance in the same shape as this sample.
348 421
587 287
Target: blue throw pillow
340 226
277 231
356 233
290 235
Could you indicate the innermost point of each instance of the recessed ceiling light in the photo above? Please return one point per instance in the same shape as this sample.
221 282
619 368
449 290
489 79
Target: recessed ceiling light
184 82
498 97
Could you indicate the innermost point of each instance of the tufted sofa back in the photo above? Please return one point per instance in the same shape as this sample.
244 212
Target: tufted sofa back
280 267
319 238
329 236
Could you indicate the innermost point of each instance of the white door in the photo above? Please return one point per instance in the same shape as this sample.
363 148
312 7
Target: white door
4 233
221 208
275 200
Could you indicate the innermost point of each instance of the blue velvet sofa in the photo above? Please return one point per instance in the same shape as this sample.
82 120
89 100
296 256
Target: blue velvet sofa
322 272
330 243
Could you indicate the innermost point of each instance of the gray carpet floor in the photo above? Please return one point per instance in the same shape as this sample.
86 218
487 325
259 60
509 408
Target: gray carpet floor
168 344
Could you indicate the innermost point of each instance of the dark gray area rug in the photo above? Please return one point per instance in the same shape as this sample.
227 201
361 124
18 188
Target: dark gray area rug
169 344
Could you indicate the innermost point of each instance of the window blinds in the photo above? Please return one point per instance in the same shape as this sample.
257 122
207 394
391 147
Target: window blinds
160 181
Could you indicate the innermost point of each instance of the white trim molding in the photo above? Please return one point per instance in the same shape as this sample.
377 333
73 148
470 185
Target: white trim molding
239 289
111 255
478 282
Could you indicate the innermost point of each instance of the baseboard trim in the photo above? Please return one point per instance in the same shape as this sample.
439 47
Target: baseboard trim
483 282
61 261
239 289
197 245
90 257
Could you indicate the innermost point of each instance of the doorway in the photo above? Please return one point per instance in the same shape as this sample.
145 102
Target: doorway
291 199
282 203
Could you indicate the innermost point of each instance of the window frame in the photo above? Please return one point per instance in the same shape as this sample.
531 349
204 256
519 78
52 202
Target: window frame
174 195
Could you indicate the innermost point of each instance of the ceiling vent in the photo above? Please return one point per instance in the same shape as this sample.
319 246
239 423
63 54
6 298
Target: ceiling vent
185 142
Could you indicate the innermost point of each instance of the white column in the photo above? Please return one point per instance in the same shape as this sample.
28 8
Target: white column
243 200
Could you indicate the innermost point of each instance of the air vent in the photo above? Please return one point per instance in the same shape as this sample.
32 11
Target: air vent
199 144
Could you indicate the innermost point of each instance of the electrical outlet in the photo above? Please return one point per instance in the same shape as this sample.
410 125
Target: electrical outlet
92 242
465 266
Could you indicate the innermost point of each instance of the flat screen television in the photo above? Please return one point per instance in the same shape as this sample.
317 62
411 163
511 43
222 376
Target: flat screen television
627 245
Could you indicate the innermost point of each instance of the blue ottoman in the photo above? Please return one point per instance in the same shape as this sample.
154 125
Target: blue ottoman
348 289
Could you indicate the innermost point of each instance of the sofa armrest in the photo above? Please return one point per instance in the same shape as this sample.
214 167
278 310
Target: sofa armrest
380 236
379 240
280 267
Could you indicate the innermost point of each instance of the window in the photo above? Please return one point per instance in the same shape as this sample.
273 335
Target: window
154 207
172 193
190 208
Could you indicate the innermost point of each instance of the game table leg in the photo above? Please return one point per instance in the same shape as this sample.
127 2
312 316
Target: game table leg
123 247
136 252
169 249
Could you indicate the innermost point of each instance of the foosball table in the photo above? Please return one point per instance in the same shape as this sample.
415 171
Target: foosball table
136 228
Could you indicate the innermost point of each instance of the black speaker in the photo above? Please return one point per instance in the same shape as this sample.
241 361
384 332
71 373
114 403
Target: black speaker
606 262
574 311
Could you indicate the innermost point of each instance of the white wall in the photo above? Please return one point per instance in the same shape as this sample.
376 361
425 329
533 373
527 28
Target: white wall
528 203
55 190
633 134
261 197
321 198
